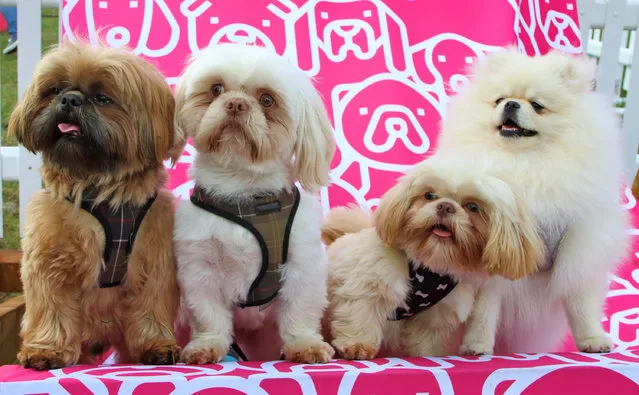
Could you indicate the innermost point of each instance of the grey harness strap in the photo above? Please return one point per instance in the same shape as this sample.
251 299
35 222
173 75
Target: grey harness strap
553 241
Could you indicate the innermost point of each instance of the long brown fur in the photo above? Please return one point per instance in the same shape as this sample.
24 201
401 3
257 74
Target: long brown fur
67 314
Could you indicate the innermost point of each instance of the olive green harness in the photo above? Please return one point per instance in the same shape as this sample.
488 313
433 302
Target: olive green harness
269 217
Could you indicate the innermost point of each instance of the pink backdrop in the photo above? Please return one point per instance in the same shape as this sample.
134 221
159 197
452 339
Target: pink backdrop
386 70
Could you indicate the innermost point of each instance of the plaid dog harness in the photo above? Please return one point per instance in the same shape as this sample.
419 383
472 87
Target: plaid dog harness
427 288
269 218
120 226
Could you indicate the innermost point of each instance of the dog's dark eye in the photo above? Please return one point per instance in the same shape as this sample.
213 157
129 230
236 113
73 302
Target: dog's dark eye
102 100
267 100
472 207
56 91
217 89
499 100
538 107
430 196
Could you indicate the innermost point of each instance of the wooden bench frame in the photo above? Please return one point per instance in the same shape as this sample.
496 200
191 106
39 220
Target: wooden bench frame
11 310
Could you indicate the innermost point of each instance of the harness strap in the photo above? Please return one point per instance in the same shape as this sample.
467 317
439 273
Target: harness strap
265 212
115 267
552 246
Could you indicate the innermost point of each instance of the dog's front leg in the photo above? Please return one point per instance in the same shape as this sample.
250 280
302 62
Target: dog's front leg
151 289
152 298
52 323
433 332
481 327
209 309
151 303
302 301
211 329
357 326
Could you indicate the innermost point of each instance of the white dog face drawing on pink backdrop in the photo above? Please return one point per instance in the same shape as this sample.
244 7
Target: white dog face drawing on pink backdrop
208 24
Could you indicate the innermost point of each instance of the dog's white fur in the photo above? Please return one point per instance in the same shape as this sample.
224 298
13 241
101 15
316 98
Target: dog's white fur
569 176
217 259
368 277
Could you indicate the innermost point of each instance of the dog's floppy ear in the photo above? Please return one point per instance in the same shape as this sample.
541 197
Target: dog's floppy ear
315 145
156 128
514 248
391 212
168 144
390 216
19 119
179 134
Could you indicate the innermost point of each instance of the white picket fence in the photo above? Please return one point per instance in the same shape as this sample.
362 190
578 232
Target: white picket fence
608 30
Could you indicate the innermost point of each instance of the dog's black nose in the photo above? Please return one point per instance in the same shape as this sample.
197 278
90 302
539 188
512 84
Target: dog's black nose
72 100
236 105
512 106
445 208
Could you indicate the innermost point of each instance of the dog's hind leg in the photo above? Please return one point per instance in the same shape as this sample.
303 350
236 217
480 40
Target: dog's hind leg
587 255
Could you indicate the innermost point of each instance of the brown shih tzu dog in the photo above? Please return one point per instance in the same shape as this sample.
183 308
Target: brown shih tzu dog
403 281
98 266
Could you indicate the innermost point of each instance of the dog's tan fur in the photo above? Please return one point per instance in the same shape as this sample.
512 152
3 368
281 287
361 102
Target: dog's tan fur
66 312
368 260
344 220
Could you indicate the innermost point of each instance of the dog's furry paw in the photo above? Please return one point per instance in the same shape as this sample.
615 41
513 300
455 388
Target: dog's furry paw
475 349
200 353
357 351
309 352
595 344
160 354
40 359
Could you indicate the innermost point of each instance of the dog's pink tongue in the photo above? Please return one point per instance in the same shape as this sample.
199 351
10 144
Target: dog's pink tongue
441 232
68 128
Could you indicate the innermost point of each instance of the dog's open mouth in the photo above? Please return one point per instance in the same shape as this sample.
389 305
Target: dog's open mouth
441 230
510 128
69 129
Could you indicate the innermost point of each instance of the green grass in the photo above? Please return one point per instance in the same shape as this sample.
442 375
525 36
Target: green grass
8 79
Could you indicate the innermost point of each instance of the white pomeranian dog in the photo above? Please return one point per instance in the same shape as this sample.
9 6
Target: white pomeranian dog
556 142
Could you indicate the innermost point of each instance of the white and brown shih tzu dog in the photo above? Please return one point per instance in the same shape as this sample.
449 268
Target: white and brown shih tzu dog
402 281
250 260
556 143
98 266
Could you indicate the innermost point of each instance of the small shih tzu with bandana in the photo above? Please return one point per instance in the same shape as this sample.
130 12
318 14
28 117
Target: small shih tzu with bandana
403 281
